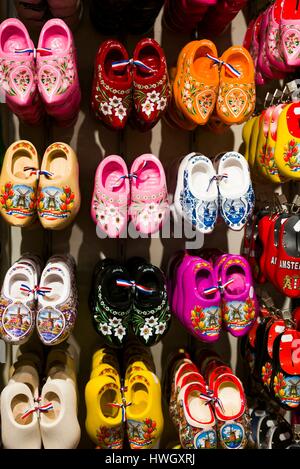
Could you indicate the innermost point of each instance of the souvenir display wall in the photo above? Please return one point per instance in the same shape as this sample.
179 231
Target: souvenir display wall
126 336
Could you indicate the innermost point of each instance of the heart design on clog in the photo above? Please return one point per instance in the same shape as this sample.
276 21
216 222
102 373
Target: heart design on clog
49 80
50 323
236 101
17 320
292 42
21 79
205 102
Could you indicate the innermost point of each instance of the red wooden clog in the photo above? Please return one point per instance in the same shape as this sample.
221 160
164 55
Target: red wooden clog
151 87
112 85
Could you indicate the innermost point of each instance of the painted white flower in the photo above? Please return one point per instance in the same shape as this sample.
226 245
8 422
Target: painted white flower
144 219
186 94
111 211
120 112
115 101
115 322
189 104
146 332
187 85
151 208
153 96
224 109
105 329
160 328
151 322
147 107
102 217
120 331
106 109
162 103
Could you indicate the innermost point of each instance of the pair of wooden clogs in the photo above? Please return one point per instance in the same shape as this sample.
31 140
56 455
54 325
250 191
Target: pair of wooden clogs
50 191
204 83
272 144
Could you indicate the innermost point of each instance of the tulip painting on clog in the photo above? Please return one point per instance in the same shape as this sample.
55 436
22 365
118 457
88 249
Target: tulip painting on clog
55 203
18 200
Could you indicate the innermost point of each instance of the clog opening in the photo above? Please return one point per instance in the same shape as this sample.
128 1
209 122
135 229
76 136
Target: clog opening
203 66
150 57
111 177
58 163
237 274
235 182
109 397
149 178
53 398
15 285
56 285
198 408
20 160
19 406
12 39
240 62
230 398
203 281
116 295
119 74
140 397
56 38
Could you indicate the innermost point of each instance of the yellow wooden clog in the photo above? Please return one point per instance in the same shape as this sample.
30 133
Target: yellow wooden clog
18 184
287 150
104 423
271 166
58 193
253 143
246 135
144 417
261 161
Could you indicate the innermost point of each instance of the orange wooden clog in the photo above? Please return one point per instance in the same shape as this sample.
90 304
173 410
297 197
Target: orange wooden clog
180 69
174 115
236 100
199 83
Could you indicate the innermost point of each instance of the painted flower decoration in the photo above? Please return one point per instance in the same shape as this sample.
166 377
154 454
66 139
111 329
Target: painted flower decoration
115 322
152 321
153 96
115 101
6 196
105 329
106 109
162 104
292 42
120 112
146 332
120 332
266 373
291 156
147 107
160 328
